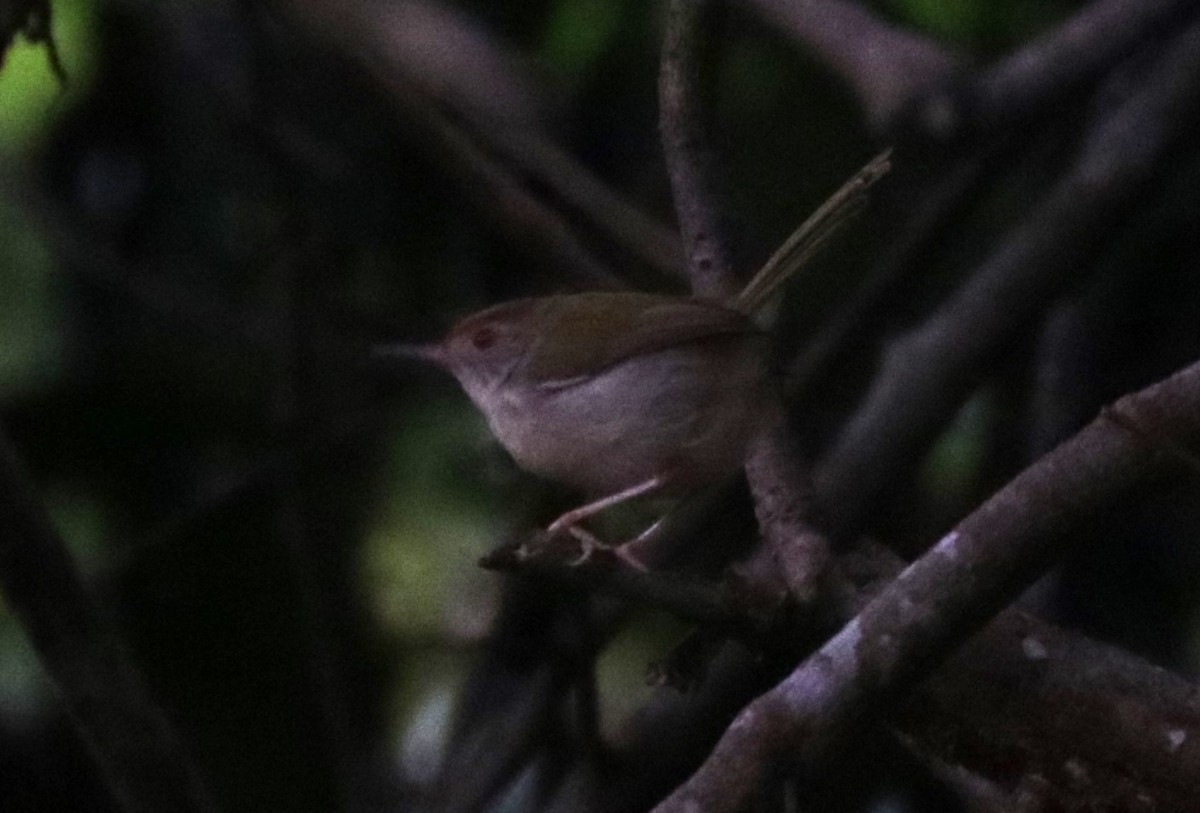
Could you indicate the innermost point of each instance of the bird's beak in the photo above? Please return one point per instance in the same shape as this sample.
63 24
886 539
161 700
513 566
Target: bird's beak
431 353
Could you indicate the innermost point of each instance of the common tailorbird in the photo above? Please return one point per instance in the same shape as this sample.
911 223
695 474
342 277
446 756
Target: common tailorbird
625 394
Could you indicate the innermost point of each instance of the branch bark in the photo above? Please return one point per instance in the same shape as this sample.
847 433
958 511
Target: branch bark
685 91
945 596
1048 719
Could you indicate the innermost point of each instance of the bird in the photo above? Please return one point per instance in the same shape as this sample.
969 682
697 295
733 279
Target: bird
623 394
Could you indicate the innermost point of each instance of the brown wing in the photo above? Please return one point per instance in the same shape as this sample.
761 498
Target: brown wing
586 333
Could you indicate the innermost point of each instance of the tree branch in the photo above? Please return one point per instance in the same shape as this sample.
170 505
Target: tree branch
643 237
685 90
899 74
943 597
1052 720
903 412
493 129
887 67
796 551
564 561
499 194
1046 70
401 69
778 482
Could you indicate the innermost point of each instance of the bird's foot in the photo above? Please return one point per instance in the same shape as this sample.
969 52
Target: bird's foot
591 547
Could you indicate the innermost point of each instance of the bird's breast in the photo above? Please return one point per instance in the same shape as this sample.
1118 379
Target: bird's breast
689 410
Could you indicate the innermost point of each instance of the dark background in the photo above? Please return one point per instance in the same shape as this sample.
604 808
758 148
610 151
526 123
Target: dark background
205 229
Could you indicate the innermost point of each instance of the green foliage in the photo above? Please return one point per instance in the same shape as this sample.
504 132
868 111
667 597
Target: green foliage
31 96
23 688
30 313
959 20
430 530
24 693
623 666
31 101
977 23
951 469
578 33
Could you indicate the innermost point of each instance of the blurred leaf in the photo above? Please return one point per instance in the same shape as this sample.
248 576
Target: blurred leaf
30 316
23 689
951 469
958 20
82 522
988 25
431 530
31 96
623 666
578 33
752 78
423 710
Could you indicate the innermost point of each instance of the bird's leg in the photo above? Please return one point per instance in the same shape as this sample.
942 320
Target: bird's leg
625 551
577 515
589 544
569 522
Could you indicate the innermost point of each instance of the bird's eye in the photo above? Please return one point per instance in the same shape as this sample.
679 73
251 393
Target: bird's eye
483 338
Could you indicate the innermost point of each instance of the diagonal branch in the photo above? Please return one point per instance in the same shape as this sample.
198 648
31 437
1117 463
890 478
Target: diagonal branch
1009 706
887 67
1047 69
463 98
899 74
130 738
903 412
945 596
654 243
497 191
